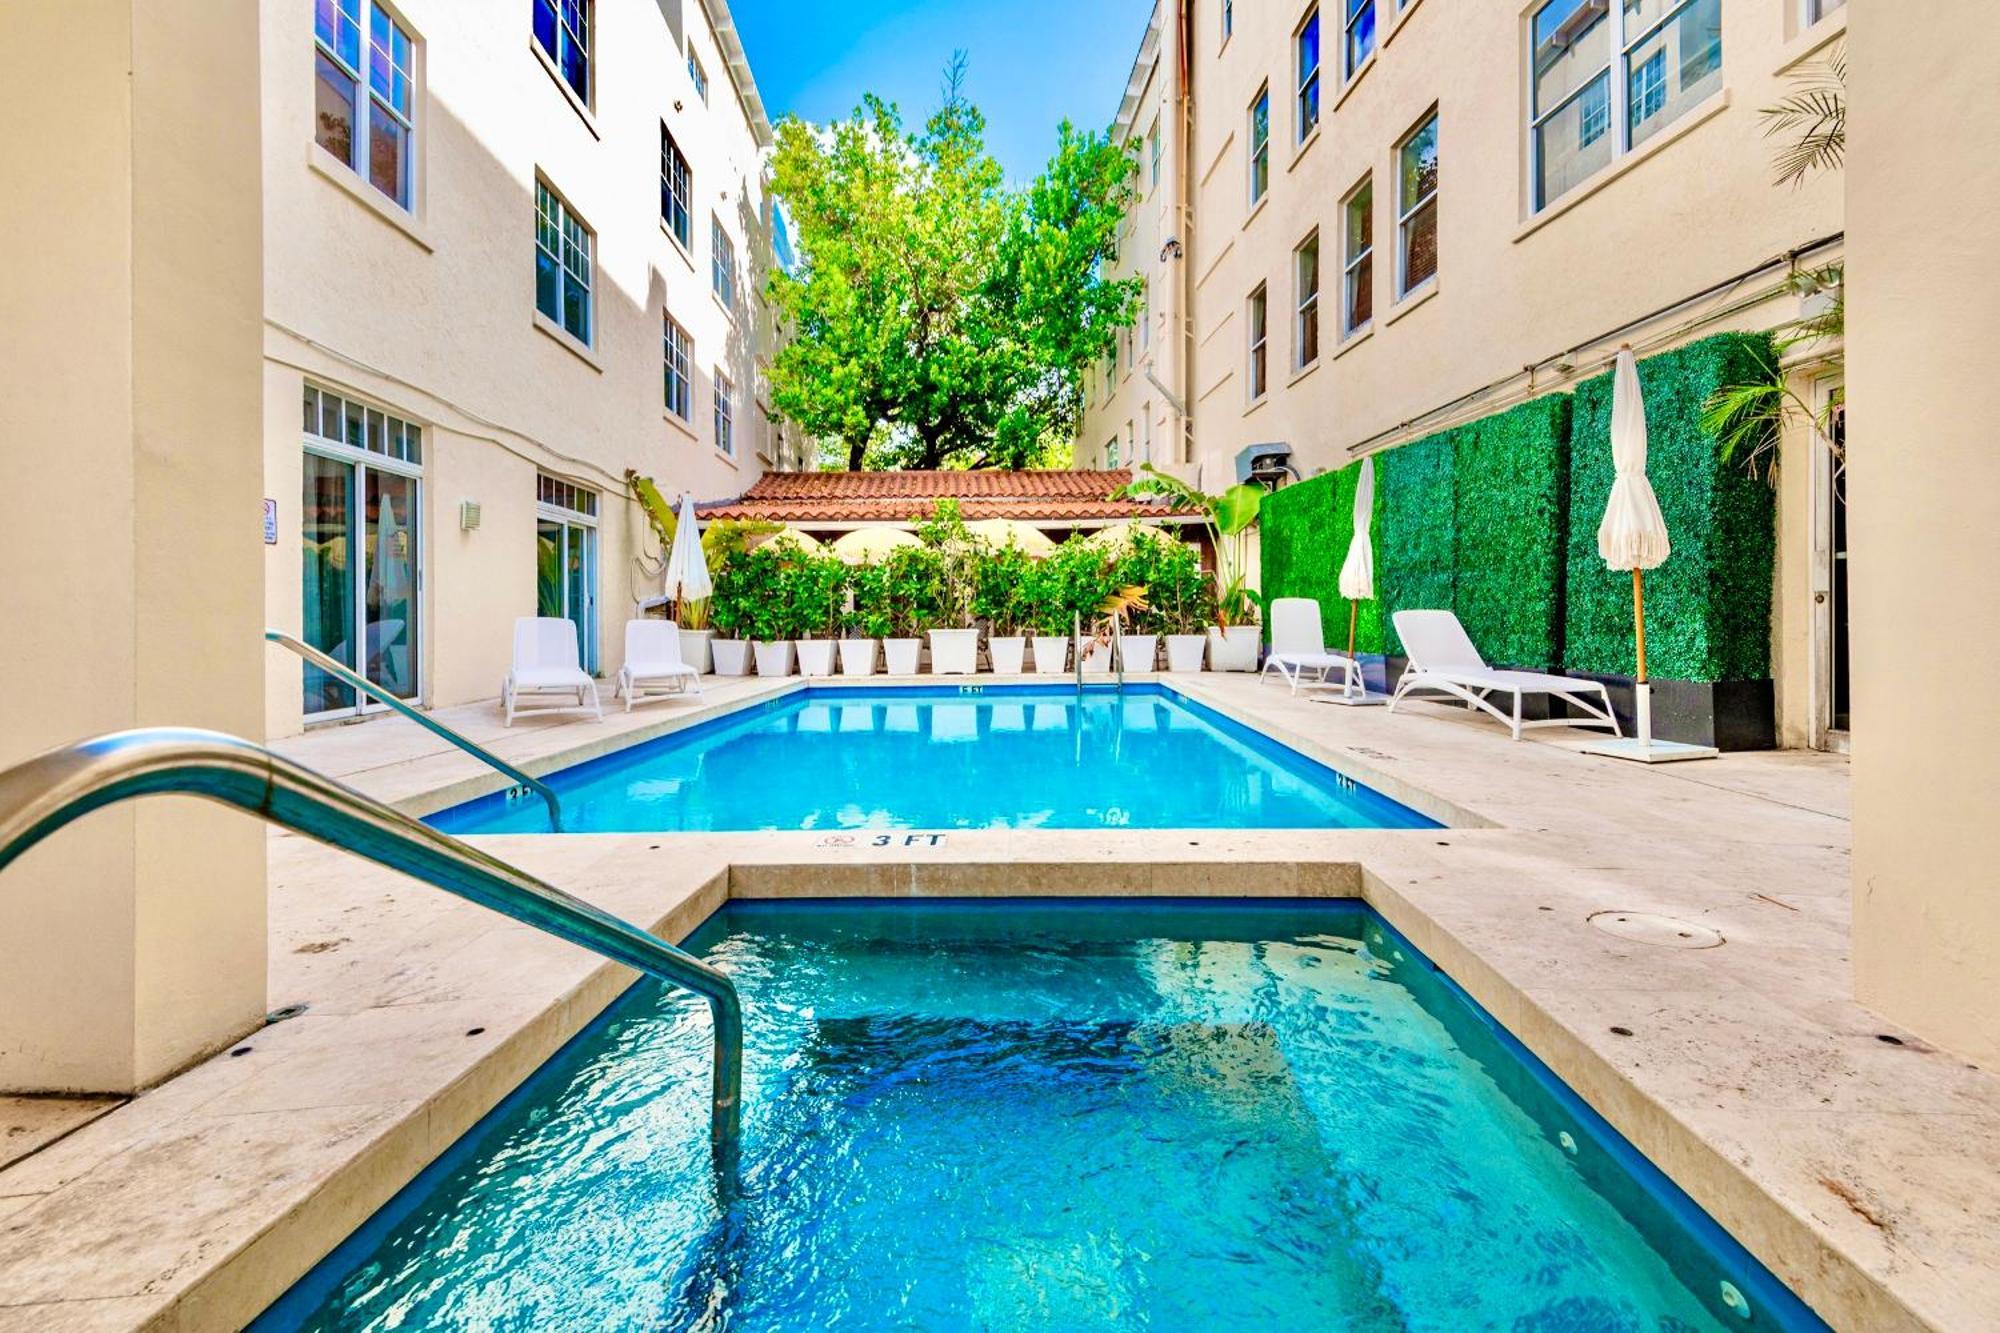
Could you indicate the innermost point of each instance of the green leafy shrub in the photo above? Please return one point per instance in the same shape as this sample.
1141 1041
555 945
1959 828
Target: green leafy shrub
813 589
1000 589
911 591
1708 608
871 617
1510 483
1415 541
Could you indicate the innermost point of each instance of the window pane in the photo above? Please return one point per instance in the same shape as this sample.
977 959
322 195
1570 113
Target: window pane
355 436
326 619
1360 33
312 410
1309 75
1420 258
1573 142
1572 46
333 109
1361 221
388 155
548 284
1361 293
545 26
1418 164
576 311
1675 67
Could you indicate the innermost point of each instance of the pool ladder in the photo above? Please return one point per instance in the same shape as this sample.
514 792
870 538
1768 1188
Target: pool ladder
356 681
1117 651
41 795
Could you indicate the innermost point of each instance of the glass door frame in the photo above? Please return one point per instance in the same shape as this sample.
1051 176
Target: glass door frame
572 521
1828 398
363 461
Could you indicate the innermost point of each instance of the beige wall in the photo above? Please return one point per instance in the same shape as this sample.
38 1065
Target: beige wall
1926 487
1513 287
129 408
431 314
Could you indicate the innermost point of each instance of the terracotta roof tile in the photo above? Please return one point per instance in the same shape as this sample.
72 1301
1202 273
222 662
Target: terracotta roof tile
1050 496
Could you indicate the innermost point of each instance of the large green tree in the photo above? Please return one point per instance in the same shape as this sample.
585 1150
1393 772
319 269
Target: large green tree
937 318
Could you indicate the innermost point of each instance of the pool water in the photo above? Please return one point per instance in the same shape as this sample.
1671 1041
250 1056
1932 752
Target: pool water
1049 1115
931 758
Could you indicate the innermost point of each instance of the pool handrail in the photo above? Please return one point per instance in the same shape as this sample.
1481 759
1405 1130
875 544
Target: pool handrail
40 795
355 680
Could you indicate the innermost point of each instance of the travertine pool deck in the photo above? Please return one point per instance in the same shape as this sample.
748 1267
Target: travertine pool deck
1865 1173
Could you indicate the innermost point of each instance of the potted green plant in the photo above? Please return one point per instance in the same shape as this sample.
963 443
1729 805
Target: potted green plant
1088 582
726 546
814 587
769 614
910 576
999 601
866 621
1138 626
955 554
1180 606
1044 610
1233 640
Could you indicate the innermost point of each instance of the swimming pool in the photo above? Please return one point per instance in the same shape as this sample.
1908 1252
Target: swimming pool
1053 1114
951 758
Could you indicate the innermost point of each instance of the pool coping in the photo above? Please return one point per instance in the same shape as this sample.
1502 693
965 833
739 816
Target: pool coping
276 1234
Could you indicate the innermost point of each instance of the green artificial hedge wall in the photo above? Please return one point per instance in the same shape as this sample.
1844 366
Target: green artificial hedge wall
1708 608
1497 520
1306 529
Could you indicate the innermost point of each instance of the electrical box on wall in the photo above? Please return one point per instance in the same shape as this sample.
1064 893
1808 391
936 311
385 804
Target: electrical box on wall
468 515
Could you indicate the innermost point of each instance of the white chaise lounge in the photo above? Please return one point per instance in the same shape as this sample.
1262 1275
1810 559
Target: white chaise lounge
1444 666
1298 647
654 667
547 666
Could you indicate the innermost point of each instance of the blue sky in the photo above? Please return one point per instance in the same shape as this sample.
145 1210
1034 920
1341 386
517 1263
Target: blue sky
1033 62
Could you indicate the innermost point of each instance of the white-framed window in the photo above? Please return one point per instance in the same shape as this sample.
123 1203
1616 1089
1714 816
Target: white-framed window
562 30
725 414
1608 76
1815 10
678 359
1260 144
1257 315
362 567
1305 50
1145 454
372 132
1305 317
1111 452
722 262
676 188
1153 150
697 74
1357 249
1110 375
1357 41
563 266
1416 207
573 500
1145 313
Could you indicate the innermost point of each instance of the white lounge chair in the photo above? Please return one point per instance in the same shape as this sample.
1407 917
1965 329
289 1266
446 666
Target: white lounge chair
1443 662
1298 647
654 668
547 665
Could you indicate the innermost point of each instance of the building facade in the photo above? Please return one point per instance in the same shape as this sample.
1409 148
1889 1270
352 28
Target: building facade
506 261
1379 219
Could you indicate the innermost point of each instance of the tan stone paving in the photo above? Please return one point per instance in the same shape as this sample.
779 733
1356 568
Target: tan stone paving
1866 1174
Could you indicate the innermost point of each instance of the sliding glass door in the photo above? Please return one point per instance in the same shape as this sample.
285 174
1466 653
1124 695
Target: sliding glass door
361 576
566 579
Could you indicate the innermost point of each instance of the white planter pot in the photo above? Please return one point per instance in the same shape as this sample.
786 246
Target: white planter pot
1096 656
1051 654
857 657
1137 651
732 657
1185 651
899 656
695 649
1007 652
815 657
954 652
773 659
1234 648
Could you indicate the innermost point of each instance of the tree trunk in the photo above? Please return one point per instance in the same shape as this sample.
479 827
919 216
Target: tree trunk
857 454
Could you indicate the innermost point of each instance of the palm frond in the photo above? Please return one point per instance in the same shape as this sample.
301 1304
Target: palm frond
1815 112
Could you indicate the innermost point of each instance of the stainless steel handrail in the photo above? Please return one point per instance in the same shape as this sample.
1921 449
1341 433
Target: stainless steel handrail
356 680
42 794
1076 646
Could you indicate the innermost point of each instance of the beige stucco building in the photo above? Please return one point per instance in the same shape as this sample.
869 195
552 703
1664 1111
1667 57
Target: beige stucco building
1374 221
543 269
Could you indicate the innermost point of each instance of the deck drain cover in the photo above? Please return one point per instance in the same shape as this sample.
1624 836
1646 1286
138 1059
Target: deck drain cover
1647 928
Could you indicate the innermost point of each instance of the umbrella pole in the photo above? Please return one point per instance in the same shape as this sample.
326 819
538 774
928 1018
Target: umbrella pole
1643 693
1353 613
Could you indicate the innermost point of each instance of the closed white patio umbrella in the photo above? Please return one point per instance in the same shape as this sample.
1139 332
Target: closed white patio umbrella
1633 535
687 568
1357 578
